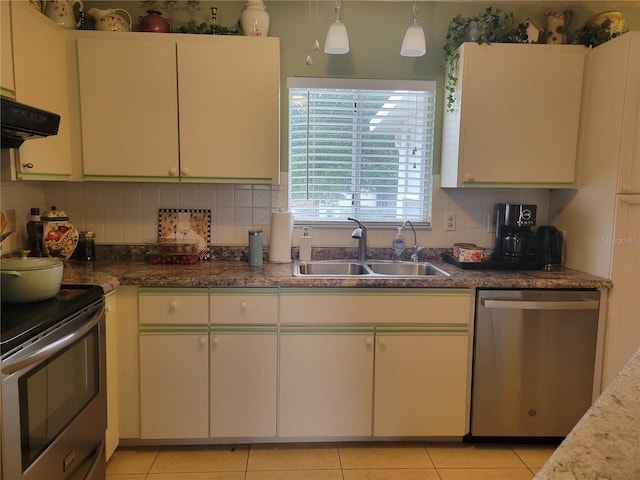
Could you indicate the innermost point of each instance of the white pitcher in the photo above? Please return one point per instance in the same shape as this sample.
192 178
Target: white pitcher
110 20
61 12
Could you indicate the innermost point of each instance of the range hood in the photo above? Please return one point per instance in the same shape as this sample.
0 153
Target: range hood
21 122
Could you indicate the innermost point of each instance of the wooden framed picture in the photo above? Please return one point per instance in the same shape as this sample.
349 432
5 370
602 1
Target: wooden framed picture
186 224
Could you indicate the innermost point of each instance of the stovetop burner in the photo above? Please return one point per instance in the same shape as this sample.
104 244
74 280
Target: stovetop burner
22 321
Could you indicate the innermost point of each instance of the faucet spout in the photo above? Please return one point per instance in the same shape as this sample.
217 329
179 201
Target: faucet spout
361 234
414 255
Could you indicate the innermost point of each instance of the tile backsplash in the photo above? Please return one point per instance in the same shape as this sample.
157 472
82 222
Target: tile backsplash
127 213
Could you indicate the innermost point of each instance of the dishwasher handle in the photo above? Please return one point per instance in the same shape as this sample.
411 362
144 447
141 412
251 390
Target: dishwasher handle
542 304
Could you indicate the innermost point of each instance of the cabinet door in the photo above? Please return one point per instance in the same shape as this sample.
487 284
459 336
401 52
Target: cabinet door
421 381
629 180
229 109
6 68
518 116
129 108
41 80
243 381
174 382
112 435
326 381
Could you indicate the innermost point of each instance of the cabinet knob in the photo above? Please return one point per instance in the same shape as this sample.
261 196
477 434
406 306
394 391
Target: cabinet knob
468 177
184 171
27 165
215 340
381 341
202 340
173 304
173 171
368 341
244 305
108 308
625 188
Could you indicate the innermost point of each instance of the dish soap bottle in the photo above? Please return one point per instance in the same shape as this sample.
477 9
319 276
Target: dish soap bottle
305 245
398 246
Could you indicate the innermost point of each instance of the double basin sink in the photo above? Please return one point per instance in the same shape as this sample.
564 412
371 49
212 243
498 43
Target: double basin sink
369 268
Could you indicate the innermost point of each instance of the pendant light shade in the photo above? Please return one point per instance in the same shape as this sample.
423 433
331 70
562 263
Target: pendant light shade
337 41
413 44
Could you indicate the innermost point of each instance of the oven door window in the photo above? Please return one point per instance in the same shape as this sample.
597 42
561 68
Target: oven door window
55 392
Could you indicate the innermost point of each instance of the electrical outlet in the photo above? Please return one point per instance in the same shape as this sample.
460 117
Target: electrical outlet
449 221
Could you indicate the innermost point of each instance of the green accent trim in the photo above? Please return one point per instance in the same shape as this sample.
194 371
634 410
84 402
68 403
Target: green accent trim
44 176
518 185
377 292
7 92
129 178
150 291
250 181
325 330
244 291
173 330
423 330
243 330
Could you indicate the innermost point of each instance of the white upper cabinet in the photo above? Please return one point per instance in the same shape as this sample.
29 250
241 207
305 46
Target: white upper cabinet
190 108
41 81
516 117
7 87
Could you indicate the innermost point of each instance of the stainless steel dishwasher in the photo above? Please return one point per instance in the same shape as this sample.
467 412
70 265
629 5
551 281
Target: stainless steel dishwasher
534 362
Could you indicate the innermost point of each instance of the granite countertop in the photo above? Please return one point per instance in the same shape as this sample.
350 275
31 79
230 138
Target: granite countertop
229 273
605 443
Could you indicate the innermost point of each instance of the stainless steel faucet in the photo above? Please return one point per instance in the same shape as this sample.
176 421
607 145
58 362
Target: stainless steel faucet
361 234
416 249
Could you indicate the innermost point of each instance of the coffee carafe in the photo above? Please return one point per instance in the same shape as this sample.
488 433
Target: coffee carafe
515 239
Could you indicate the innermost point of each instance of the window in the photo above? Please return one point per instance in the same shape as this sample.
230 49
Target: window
361 148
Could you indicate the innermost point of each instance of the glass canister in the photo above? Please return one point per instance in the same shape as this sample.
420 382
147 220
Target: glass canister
60 236
255 248
86 249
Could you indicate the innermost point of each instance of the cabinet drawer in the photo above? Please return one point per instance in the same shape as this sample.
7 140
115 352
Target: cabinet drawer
173 305
376 306
244 305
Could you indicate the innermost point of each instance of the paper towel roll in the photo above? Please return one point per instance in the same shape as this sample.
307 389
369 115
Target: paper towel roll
280 239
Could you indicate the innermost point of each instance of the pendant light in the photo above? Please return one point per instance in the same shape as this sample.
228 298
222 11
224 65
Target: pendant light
413 44
337 41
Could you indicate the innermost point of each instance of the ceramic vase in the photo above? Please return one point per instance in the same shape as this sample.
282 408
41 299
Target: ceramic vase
255 19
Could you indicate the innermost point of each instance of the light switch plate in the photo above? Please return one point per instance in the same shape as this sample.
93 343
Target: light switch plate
449 221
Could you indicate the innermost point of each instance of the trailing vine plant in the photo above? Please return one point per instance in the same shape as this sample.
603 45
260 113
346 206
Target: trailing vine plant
491 26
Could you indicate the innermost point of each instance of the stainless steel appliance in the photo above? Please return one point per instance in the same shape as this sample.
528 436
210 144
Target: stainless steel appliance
515 240
533 362
21 122
54 387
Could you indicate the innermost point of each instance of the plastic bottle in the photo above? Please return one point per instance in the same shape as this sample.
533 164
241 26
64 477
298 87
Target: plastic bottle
305 245
35 239
398 245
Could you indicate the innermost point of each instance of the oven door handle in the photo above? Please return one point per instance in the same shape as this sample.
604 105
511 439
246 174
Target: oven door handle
50 350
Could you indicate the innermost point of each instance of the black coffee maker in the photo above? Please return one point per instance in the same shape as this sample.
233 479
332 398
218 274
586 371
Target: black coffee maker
515 239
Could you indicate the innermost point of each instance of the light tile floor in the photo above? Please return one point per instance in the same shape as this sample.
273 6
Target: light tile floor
330 461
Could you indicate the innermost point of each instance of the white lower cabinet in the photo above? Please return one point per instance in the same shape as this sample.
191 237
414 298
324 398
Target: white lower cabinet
326 380
174 363
243 374
112 434
420 381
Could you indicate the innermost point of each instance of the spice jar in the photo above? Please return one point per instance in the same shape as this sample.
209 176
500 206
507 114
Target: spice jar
86 249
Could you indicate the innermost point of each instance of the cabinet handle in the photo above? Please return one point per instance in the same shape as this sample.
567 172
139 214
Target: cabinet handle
184 171
215 340
27 165
368 341
244 305
173 171
202 340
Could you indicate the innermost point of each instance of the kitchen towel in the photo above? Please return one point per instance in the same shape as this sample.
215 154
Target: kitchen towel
281 233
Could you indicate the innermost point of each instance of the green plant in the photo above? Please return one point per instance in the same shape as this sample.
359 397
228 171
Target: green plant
203 28
593 34
491 25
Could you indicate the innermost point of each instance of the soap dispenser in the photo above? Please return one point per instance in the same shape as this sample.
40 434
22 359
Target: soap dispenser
305 245
398 246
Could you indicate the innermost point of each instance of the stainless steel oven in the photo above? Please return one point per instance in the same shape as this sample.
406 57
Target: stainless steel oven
53 388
